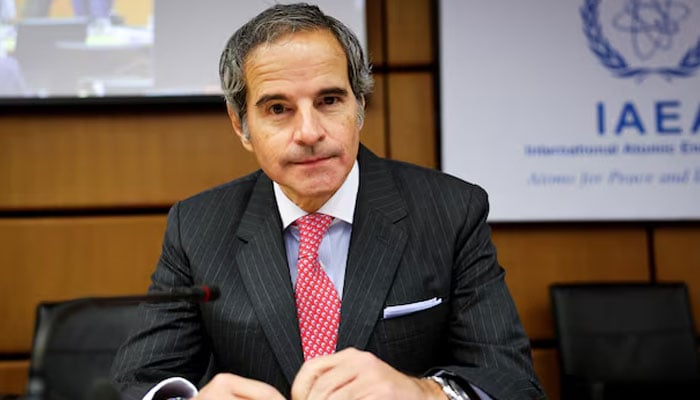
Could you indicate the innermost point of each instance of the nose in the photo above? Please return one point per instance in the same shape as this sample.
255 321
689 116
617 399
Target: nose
308 129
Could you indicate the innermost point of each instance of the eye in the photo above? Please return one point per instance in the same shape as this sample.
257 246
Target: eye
330 100
277 109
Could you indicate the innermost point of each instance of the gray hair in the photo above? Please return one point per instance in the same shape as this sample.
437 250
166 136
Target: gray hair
277 21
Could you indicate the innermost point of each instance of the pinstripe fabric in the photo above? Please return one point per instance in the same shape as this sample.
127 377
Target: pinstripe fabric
417 234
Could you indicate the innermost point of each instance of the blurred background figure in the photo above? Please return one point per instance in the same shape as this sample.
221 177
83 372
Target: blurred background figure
36 8
8 11
81 8
11 81
95 9
98 12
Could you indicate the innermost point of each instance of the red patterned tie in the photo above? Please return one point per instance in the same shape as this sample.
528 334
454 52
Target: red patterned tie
318 305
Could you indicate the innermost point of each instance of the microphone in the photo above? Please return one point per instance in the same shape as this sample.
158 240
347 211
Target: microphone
36 387
194 294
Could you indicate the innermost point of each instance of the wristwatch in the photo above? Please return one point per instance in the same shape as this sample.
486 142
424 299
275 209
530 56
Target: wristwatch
451 389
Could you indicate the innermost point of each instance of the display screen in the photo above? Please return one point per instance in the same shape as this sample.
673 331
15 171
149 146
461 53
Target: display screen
125 48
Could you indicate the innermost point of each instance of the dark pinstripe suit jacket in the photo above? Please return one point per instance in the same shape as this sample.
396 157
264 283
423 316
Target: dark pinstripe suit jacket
417 234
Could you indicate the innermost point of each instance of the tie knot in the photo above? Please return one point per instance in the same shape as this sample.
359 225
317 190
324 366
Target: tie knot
312 227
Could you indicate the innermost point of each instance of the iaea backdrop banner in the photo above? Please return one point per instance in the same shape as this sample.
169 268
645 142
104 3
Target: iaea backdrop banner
574 110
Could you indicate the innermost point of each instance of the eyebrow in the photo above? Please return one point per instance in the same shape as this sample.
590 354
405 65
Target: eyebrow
334 90
269 97
338 91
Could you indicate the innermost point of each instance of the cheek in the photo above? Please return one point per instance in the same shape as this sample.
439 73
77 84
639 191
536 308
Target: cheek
272 153
344 129
266 138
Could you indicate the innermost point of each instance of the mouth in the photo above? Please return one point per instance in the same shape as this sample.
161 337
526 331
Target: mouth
311 160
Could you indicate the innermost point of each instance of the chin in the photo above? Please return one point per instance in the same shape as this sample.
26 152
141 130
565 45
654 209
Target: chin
321 188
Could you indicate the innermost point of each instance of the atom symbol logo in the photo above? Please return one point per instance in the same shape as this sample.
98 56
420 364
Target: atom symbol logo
651 24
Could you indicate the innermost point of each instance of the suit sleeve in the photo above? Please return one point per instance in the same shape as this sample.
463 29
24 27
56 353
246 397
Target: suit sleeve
487 343
169 341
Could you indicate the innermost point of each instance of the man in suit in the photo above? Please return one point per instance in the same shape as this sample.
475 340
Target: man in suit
411 301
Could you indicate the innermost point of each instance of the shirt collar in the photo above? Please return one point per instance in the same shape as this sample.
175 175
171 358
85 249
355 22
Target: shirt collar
340 206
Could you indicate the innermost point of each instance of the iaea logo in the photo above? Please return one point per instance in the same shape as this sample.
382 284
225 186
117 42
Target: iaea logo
639 38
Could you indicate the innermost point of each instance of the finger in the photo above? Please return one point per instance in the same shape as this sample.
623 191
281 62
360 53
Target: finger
331 381
311 370
320 377
233 386
356 389
255 390
361 375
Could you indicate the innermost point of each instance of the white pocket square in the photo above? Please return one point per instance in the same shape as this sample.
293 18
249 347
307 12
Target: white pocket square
404 309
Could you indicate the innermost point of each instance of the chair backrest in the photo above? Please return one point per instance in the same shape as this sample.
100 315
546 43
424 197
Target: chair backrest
82 345
625 332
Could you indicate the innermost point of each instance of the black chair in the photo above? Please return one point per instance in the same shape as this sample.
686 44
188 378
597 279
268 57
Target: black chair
79 351
625 341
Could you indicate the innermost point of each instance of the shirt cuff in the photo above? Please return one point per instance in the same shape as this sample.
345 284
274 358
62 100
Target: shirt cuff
482 395
171 388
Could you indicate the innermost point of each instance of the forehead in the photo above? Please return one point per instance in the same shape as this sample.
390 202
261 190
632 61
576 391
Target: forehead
308 56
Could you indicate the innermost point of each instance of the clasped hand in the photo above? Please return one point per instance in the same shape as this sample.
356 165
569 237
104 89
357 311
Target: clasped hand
347 374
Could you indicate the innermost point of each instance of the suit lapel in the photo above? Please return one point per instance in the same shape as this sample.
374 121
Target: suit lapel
376 247
263 266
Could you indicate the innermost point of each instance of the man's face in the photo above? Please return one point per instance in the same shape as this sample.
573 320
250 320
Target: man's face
302 115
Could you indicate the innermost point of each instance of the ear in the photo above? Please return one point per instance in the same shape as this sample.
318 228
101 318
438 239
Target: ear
238 128
365 113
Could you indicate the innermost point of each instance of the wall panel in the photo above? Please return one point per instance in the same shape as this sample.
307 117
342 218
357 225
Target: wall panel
375 30
373 134
677 251
13 377
536 256
412 118
47 259
547 369
409 32
102 159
